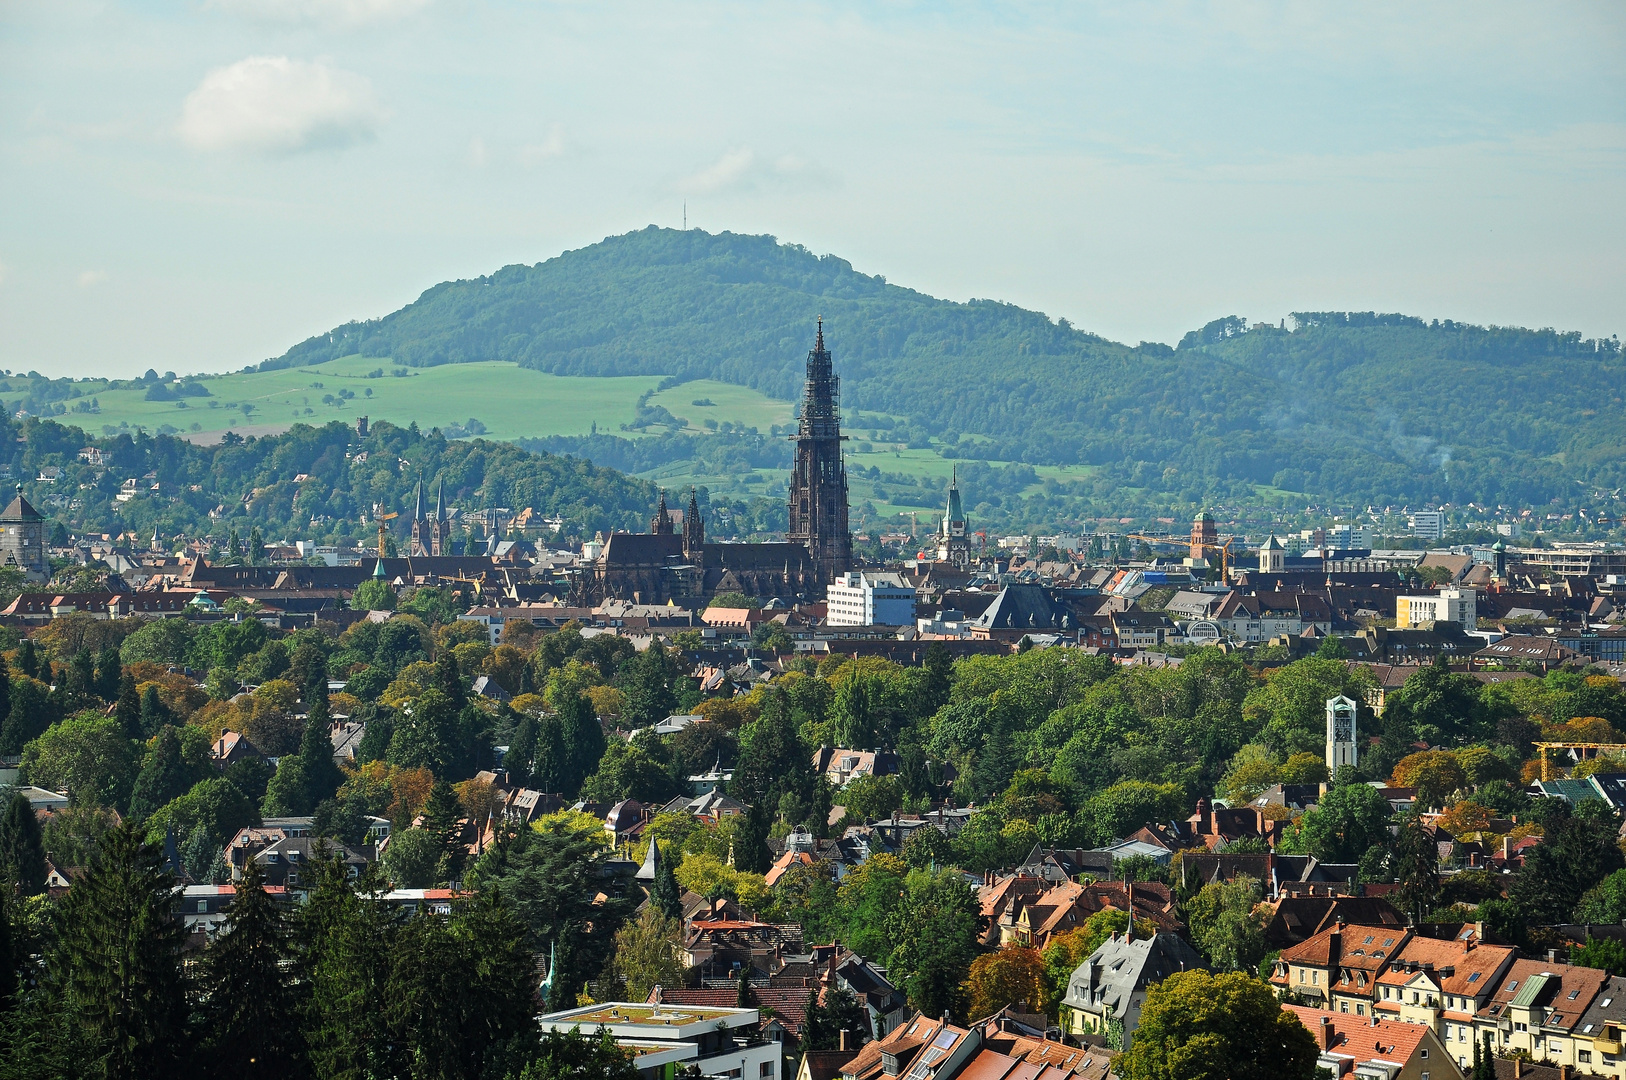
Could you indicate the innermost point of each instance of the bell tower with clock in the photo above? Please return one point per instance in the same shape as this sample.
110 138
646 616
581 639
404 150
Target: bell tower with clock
1341 749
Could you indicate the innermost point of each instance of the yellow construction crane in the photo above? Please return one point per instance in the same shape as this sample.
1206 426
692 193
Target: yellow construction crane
380 519
1543 749
1181 541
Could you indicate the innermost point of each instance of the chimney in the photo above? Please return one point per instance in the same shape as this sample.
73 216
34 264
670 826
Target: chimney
1552 956
1324 1035
843 1038
1507 848
1518 1068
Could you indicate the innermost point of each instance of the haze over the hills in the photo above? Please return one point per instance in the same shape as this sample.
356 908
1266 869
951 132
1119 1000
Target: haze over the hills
1351 408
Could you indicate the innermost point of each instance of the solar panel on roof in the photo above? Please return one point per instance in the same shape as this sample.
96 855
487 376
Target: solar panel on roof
945 1038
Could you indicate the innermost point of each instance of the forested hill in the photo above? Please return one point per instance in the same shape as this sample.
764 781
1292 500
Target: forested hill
309 482
1355 408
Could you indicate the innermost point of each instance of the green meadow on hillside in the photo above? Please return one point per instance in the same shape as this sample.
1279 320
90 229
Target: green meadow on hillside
510 401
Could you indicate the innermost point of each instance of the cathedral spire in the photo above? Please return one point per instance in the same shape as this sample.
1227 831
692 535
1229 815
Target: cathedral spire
818 344
440 501
694 530
417 513
661 523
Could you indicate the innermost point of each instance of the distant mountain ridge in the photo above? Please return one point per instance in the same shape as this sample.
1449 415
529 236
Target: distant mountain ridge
1349 407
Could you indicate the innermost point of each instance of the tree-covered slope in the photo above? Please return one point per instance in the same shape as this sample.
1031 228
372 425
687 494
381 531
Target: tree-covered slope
310 482
1356 408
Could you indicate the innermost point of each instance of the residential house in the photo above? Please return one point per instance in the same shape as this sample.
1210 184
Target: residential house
1338 969
1375 1048
1105 993
1597 1036
1441 983
923 1049
1540 1007
1265 615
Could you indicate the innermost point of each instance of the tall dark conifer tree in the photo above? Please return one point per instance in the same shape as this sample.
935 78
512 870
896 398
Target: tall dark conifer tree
117 962
128 708
583 740
109 670
249 1003
22 849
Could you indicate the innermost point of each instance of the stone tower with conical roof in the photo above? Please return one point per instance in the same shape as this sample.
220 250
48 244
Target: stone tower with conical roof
22 539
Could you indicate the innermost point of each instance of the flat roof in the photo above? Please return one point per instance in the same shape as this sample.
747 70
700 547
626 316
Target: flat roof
639 1020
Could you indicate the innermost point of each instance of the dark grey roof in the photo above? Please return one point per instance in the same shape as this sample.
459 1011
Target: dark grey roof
1122 967
1025 607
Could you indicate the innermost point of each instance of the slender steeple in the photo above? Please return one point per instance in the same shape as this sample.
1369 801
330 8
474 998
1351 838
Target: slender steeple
818 483
694 530
417 512
661 523
440 501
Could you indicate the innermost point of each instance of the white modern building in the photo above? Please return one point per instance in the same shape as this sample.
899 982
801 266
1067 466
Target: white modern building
1447 605
1426 524
870 599
664 1039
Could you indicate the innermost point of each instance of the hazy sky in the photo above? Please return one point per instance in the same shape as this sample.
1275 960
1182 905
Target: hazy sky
198 185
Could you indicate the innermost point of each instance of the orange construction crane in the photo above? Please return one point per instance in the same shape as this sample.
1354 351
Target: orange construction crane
1185 542
381 519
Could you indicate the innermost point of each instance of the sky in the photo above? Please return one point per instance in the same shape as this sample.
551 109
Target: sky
196 186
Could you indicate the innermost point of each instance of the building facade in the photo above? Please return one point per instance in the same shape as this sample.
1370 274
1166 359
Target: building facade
1447 605
818 481
1341 747
870 599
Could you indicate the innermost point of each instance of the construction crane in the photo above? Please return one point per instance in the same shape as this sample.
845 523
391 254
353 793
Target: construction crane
1181 541
380 519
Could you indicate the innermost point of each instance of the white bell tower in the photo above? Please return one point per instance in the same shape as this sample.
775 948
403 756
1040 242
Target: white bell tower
1341 749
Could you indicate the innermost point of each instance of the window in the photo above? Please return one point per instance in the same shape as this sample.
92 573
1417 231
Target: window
1575 994
1425 1052
1512 986
203 906
1360 1010
767 1069
1474 977
1584 1055
1343 1006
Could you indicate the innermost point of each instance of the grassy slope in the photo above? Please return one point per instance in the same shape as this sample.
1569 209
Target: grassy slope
511 401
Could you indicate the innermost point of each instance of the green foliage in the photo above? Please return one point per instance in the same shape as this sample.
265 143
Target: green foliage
175 760
1606 954
413 858
570 1055
1605 902
460 992
539 872
118 961
250 1004
86 755
934 928
1225 926
1347 822
1195 1025
646 954
22 852
1577 853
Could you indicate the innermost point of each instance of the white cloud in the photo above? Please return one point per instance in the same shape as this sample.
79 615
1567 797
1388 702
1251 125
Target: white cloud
276 105
740 170
87 278
323 12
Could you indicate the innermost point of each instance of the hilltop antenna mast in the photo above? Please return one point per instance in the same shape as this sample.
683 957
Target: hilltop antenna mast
685 215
